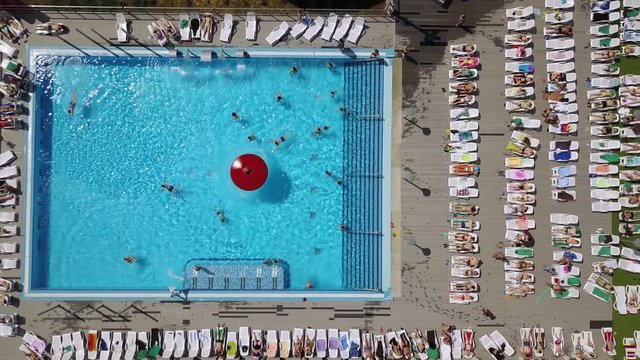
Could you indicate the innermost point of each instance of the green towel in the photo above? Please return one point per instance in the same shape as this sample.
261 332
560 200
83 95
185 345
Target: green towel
433 353
13 67
602 238
154 351
605 42
563 294
604 29
141 355
627 186
517 121
184 24
633 13
573 281
598 292
560 244
524 252
232 348
604 251
610 158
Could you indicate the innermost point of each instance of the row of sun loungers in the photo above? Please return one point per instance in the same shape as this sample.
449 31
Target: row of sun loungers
196 27
463 134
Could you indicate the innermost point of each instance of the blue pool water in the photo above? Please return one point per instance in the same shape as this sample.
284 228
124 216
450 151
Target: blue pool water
142 121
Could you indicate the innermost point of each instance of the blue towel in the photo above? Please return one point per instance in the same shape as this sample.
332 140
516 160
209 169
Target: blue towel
563 182
564 171
562 155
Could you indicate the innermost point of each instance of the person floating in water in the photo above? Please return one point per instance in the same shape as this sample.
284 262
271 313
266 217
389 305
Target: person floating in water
72 103
279 97
320 130
332 93
221 216
279 141
337 179
344 109
251 137
294 70
167 187
129 260
234 116
330 65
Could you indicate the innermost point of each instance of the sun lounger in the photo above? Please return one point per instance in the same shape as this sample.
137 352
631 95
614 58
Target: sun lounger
558 17
193 343
329 27
604 194
463 299
519 106
605 250
624 202
558 4
116 345
608 338
515 67
7 285
461 182
571 255
463 158
568 170
630 254
605 82
620 303
463 125
278 33
185 29
563 219
465 74
519 92
605 69
518 252
605 206
205 343
8 330
157 34
516 224
232 345
462 147
518 54
474 249
462 136
489 345
104 345
463 193
8 49
559 44
515 162
343 27
519 277
605 239
604 30
604 158
257 345
564 145
11 230
521 122
78 344
168 344
563 156
272 344
515 174
518 40
605 17
597 291
521 25
563 182
561 67
356 30
321 343
285 343
130 345
570 293
314 29
8 248
299 28
462 49
628 265
227 28
195 24
7 157
558 341
605 144
512 266
603 170
345 345
519 12
604 43
560 55
143 342
251 27
354 344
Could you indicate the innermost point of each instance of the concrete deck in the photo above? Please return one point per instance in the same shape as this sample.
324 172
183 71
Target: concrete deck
424 196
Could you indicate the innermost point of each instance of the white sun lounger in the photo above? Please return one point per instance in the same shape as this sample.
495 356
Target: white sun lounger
599 293
567 170
558 4
56 347
78 344
333 343
143 338
518 253
518 162
463 158
354 343
463 113
620 303
7 157
66 347
604 194
604 43
563 182
605 206
603 69
345 344
514 39
571 293
556 145
356 30
519 277
329 27
559 44
9 331
556 155
227 28
514 54
603 170
521 25
130 345
157 33
272 344
561 67
244 344
251 27
314 29
488 344
298 28
574 256
563 219
193 343
321 343
519 92
630 79
628 265
343 27
8 248
122 28
232 342
604 182
9 172
464 193
526 122
9 264
463 125
604 30
520 12
116 345
599 239
559 17
514 174
605 82
463 147
605 250
278 33
605 144
560 55
8 49
461 182
605 18
515 224
511 266
205 342
12 230
168 344
630 254
104 345
185 27
285 344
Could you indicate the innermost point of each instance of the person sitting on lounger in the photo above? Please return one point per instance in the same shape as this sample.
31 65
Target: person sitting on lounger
5 300
465 247
462 100
521 38
462 73
522 238
395 348
406 346
519 92
602 268
308 346
549 116
465 88
367 348
560 30
497 353
523 105
604 55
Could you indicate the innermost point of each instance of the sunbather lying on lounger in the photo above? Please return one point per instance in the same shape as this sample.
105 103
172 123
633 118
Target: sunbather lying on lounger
462 297
602 268
466 48
595 105
523 198
518 209
559 30
554 96
521 150
471 261
396 350
564 261
308 346
465 286
521 79
556 288
606 116
557 77
527 344
462 73
469 209
8 122
297 348
367 348
5 300
405 343
632 302
462 100
603 55
564 196
466 169
519 187
519 289
465 88
602 282
466 247
522 264
463 237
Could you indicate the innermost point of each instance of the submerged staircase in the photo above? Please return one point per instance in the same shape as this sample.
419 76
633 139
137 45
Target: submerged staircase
362 169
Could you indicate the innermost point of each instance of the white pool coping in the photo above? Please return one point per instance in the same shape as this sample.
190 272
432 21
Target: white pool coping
195 295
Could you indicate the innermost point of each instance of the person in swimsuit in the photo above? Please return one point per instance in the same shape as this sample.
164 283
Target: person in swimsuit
72 103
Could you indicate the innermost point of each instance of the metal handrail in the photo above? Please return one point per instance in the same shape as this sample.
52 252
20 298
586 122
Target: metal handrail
161 10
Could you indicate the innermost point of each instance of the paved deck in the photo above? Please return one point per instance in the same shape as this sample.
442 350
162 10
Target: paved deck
423 299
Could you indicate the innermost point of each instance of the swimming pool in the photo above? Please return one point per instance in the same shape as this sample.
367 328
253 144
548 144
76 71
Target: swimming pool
143 121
